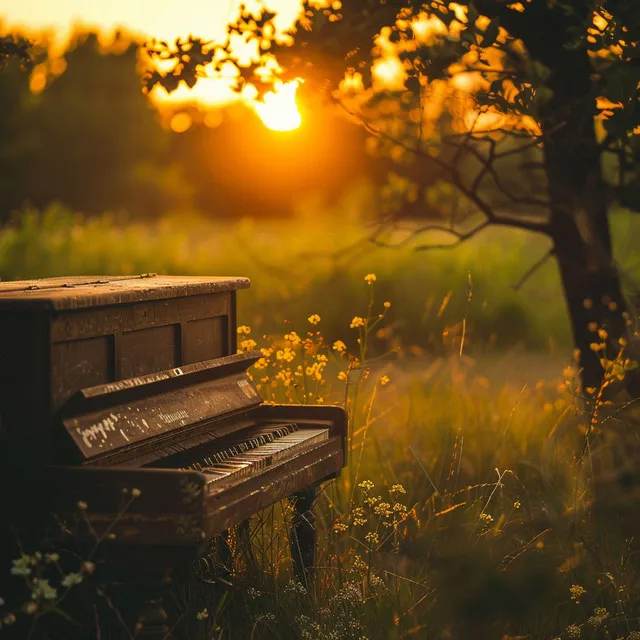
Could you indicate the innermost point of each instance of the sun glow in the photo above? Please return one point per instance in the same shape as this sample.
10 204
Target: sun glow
279 111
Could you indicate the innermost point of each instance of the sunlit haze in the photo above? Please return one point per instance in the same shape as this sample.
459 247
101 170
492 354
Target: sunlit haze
163 20
279 111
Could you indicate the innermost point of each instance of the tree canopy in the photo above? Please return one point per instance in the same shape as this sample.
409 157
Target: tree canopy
15 47
530 110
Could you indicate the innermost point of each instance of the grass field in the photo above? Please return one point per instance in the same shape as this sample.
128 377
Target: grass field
296 269
480 500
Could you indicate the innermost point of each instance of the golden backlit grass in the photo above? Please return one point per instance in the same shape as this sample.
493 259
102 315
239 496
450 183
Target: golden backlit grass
470 507
295 263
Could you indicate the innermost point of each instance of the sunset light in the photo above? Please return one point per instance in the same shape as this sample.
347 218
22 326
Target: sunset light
279 110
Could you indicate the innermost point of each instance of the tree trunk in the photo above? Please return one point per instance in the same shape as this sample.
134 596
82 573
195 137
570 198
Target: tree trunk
579 216
594 301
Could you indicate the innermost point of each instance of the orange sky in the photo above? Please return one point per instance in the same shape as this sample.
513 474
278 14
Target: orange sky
162 19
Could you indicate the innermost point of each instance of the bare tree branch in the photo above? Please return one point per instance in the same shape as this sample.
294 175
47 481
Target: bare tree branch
539 263
489 168
472 195
459 237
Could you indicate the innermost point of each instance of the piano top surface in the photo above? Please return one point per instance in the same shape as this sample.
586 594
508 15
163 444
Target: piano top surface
84 292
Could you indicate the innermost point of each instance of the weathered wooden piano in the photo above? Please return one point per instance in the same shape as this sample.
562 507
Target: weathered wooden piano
130 389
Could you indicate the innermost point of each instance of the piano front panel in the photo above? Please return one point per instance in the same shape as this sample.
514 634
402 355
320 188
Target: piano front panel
205 339
74 325
79 363
149 350
96 345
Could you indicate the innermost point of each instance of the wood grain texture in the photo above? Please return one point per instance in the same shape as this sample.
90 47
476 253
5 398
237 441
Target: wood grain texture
82 292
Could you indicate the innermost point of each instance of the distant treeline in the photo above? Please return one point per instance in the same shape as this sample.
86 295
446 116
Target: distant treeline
94 142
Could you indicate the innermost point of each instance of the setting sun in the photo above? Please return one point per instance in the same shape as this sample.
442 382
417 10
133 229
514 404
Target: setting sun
279 110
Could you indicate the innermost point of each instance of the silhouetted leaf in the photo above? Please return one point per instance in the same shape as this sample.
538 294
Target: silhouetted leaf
491 33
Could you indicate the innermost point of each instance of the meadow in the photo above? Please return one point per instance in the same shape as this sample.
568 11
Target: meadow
317 259
481 498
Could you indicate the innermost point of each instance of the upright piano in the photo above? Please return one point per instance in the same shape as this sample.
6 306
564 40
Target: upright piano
129 391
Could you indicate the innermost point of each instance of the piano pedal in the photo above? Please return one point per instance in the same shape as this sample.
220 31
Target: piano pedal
216 566
213 567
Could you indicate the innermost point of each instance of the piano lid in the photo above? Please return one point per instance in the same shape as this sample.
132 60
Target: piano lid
82 292
157 407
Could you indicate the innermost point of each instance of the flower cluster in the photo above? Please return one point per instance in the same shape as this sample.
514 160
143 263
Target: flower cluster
574 631
577 591
600 614
383 517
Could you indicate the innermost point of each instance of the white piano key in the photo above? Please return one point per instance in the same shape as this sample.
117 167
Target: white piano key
254 461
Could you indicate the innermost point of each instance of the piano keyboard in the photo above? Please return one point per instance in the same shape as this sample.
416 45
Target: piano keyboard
259 449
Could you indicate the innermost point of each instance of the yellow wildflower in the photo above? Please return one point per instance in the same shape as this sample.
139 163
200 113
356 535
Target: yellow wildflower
292 336
261 364
372 538
357 321
244 329
387 304
314 319
340 527
370 278
287 354
314 371
577 591
248 345
284 375
342 376
30 608
9 619
385 380
339 346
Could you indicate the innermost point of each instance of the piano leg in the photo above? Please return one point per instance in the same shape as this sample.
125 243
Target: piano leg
147 573
152 618
303 535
